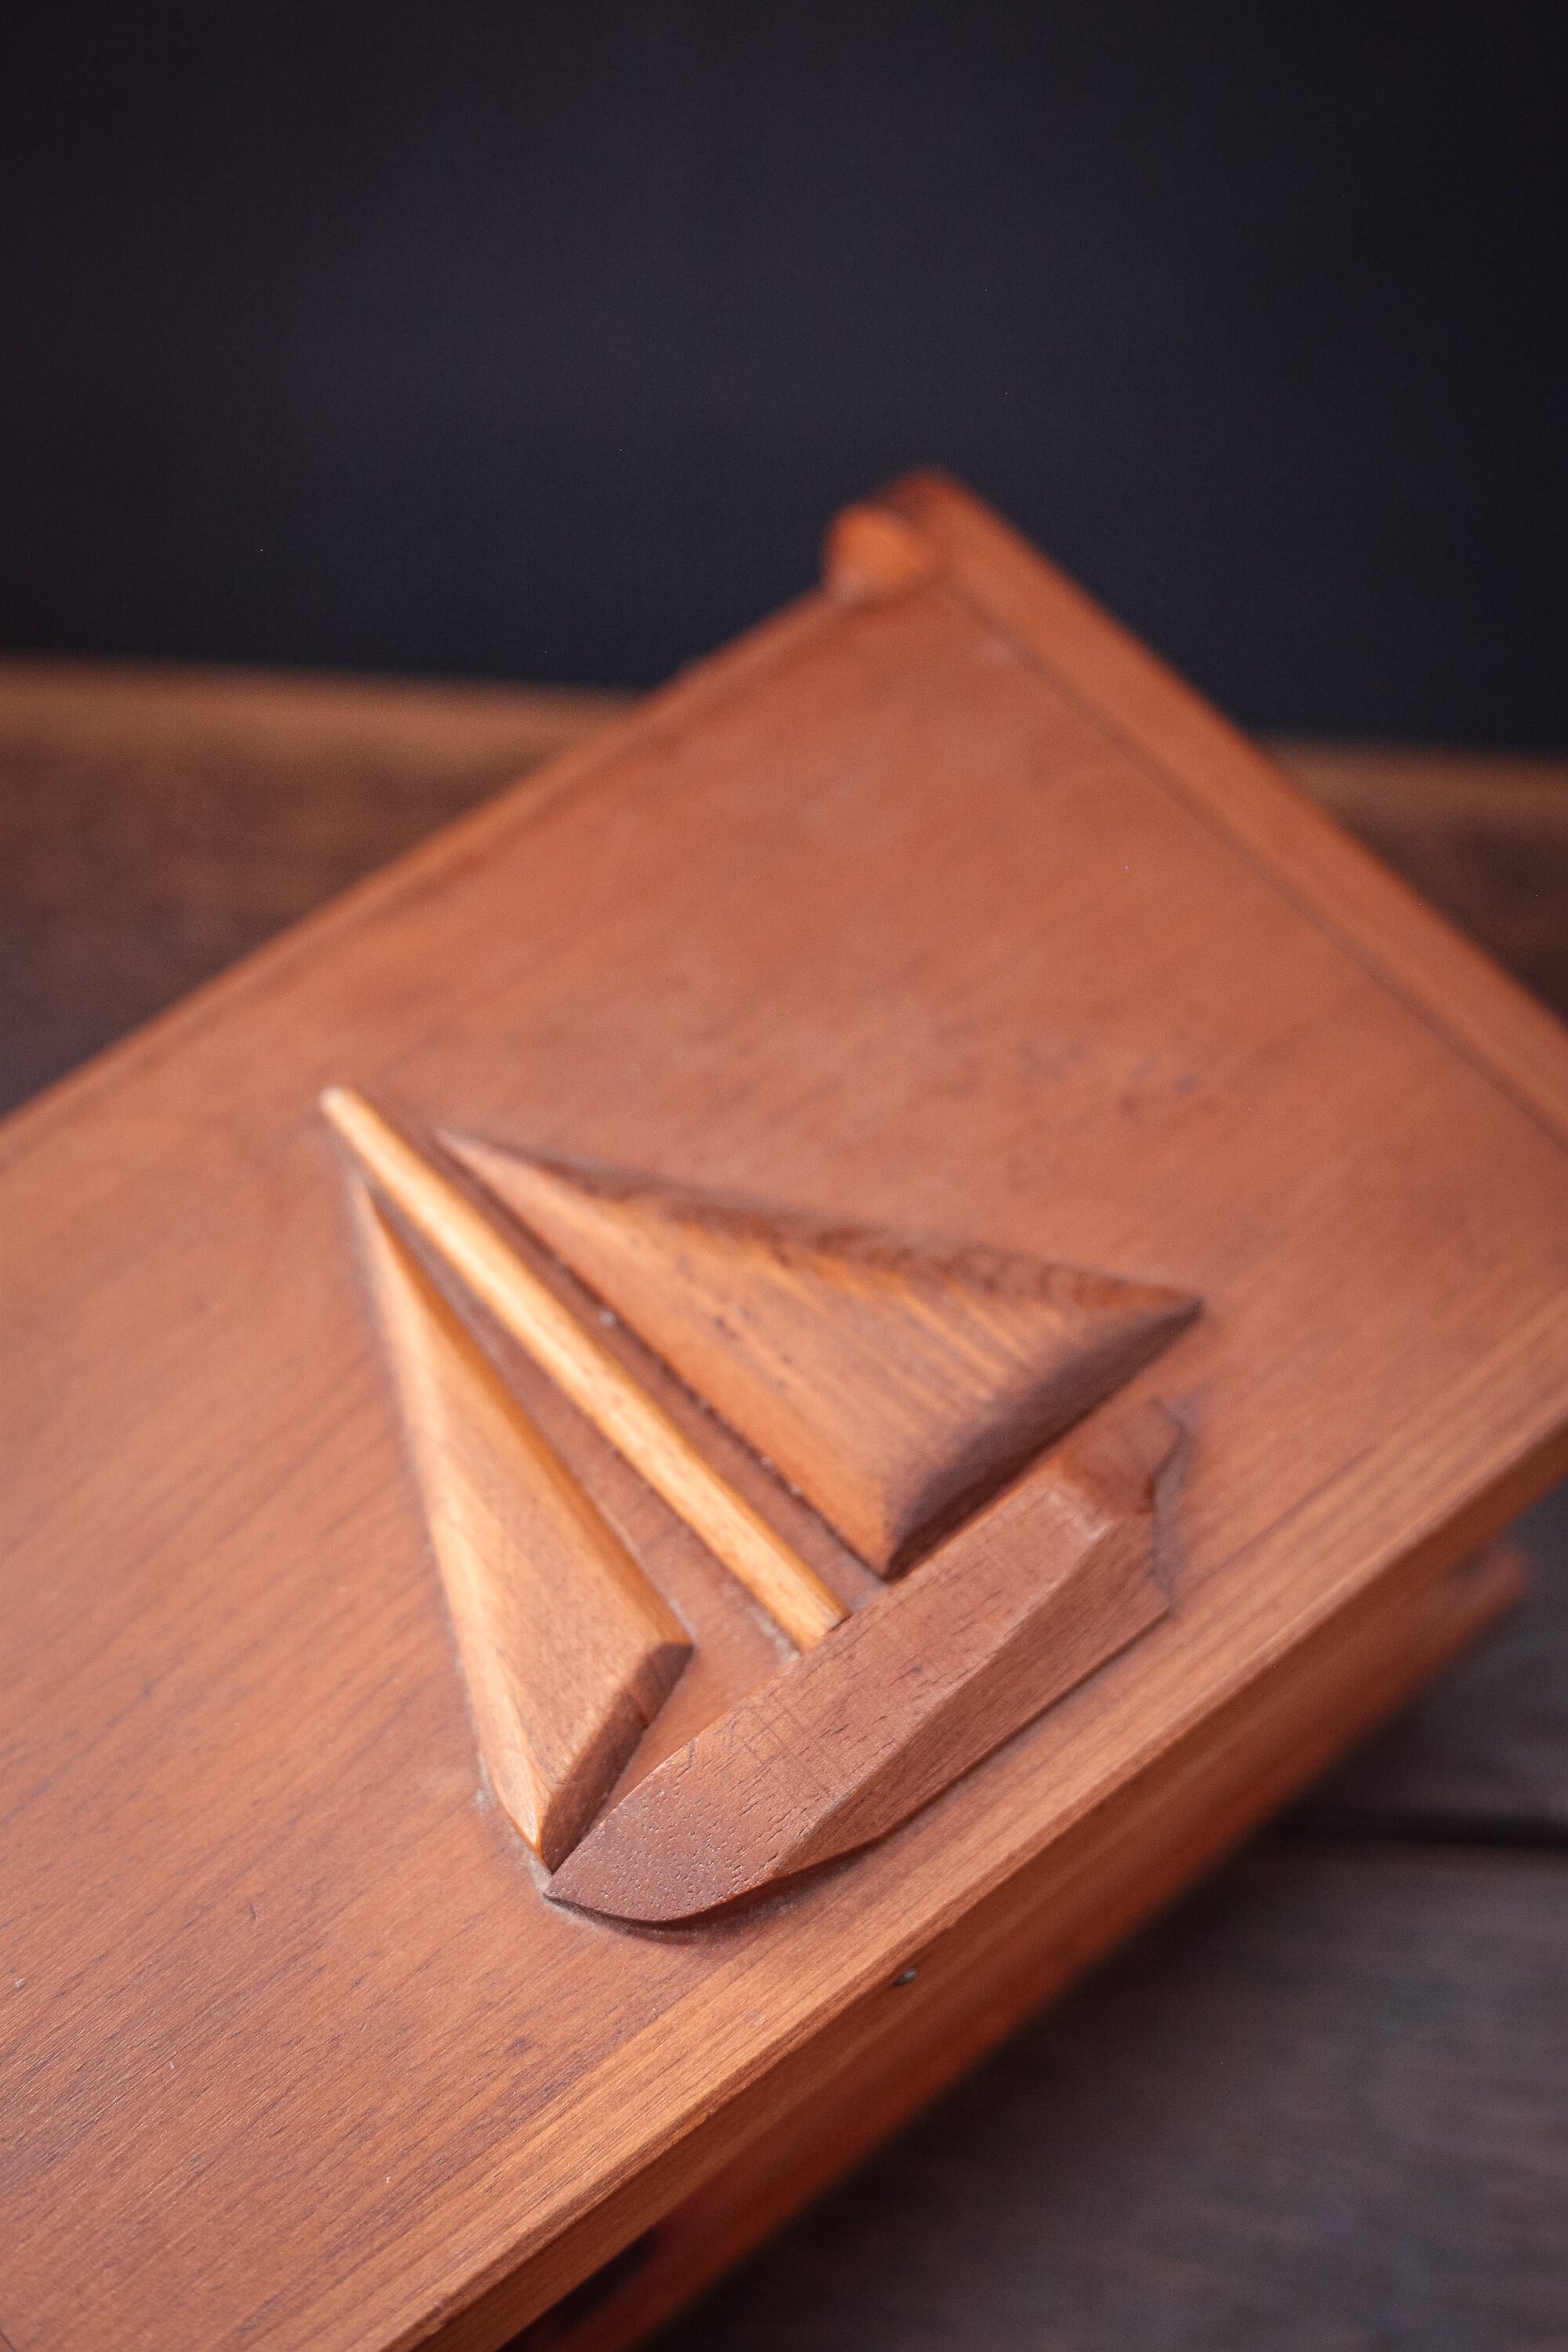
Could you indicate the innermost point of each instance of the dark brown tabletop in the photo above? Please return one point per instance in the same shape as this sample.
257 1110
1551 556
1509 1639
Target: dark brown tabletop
1322 2105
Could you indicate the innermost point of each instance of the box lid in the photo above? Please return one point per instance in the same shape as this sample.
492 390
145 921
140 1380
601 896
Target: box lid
935 909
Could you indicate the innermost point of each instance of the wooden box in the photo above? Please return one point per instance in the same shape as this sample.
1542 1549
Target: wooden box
659 1470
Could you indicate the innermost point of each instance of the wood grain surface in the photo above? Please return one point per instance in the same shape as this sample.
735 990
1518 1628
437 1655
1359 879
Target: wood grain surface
1483 1755
1024 1601
158 822
566 1346
243 798
893 1381
942 1364
1320 2105
1455 2091
959 1996
568 1651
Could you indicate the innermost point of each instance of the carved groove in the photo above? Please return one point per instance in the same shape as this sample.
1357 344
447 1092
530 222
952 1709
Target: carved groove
895 1384
841 1746
568 1651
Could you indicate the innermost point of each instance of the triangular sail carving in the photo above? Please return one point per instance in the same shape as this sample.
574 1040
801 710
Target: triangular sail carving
894 1383
568 1651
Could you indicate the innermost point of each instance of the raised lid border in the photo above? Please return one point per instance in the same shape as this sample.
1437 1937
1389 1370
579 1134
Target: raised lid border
1480 1011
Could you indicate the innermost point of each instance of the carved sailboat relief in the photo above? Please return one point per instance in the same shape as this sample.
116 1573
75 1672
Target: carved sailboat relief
910 1392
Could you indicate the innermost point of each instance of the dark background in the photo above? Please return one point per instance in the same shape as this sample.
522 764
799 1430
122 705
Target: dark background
540 342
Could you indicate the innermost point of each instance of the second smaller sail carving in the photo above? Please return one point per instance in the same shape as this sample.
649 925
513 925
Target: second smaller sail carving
568 1651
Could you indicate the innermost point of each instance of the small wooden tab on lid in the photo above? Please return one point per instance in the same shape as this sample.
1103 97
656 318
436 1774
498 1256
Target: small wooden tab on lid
872 554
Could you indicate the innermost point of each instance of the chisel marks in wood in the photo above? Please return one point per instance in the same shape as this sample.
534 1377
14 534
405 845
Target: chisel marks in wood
843 1744
895 1382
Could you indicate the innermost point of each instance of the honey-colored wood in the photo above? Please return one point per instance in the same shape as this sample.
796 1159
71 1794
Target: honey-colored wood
1168 728
946 912
992 1354
754 1552
871 553
568 1650
242 798
959 1998
158 821
1482 835
841 1746
894 1384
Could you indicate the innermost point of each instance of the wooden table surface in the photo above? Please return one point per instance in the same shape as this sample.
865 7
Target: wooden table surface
1324 2104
